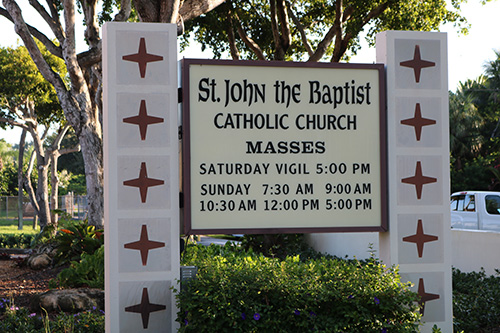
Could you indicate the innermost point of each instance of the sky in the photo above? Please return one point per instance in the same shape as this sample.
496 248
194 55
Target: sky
467 55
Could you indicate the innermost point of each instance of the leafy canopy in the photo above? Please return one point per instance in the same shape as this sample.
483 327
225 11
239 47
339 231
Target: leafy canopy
310 24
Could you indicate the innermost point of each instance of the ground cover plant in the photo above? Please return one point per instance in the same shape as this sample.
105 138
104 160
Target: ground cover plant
20 320
241 291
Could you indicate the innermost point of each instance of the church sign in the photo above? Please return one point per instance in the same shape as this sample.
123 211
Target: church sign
283 147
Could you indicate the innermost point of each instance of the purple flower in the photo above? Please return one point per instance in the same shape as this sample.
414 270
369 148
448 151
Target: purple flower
350 297
376 300
186 322
256 316
296 312
31 315
243 316
384 330
312 314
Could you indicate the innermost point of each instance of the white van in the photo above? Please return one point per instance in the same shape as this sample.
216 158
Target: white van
478 210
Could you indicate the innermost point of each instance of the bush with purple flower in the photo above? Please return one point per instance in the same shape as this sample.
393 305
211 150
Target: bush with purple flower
330 295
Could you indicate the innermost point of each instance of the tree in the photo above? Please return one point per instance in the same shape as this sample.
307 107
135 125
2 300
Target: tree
475 131
28 101
312 30
80 97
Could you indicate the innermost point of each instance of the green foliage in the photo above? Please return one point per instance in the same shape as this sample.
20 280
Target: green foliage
76 184
239 291
19 320
88 272
20 241
474 175
21 81
475 301
76 238
8 180
316 18
475 132
280 245
72 162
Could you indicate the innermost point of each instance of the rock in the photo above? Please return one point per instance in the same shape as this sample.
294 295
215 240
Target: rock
68 300
39 261
48 248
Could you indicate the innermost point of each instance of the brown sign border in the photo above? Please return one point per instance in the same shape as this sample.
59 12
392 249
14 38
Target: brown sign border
186 147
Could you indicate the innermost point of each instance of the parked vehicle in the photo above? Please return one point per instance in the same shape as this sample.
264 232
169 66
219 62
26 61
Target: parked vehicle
478 210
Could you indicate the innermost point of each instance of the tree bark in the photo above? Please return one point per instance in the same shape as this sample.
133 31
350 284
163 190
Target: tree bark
20 217
54 153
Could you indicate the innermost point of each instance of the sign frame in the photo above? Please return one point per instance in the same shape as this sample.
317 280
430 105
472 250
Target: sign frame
186 182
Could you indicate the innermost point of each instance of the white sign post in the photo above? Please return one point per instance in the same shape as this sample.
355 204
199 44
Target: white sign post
141 176
419 237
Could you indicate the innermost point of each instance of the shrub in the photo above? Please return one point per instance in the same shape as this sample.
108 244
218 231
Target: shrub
239 291
280 245
74 239
21 241
88 272
476 306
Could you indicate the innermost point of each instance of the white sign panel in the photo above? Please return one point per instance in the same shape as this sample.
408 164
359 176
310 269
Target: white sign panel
283 146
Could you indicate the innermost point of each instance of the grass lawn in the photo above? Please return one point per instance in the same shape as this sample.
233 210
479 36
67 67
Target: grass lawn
9 227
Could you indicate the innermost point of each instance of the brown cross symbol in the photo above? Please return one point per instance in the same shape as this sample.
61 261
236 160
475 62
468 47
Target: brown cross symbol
418 122
417 63
142 57
143 182
143 120
144 245
419 180
424 297
145 308
420 238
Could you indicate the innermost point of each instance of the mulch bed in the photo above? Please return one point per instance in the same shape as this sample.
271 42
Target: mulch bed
19 282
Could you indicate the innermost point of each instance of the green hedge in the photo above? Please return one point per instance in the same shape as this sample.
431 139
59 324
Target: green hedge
21 241
476 302
238 291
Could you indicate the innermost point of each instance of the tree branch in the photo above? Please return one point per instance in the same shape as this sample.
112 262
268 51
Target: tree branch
169 11
51 47
235 53
55 25
13 123
194 8
250 42
285 26
341 46
124 13
338 28
78 85
22 30
91 57
302 32
323 45
92 28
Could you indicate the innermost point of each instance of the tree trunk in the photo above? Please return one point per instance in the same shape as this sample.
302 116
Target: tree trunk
42 195
42 188
54 183
91 145
20 217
